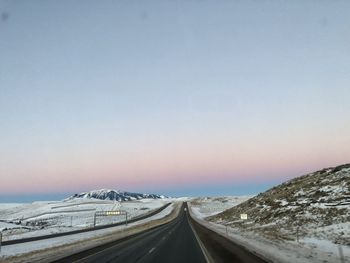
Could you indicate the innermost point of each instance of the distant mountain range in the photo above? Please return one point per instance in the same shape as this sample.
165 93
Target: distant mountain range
107 194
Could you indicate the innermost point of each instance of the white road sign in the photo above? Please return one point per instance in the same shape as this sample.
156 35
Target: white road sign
244 216
110 213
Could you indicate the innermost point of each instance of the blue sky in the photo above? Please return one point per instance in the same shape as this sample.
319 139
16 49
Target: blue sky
166 94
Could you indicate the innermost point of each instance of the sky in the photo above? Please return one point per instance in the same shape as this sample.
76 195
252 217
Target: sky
172 97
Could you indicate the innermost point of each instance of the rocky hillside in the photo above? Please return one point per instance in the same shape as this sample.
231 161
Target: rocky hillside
106 194
313 205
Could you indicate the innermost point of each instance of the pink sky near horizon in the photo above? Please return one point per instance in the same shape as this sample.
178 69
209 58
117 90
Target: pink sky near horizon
164 169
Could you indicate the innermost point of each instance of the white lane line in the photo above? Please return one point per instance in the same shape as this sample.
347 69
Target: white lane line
128 240
152 249
205 252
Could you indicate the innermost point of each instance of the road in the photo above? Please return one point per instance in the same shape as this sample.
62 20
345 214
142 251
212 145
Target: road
173 242
222 250
89 229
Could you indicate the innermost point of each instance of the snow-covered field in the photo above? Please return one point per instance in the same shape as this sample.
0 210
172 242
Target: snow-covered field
208 206
78 242
41 218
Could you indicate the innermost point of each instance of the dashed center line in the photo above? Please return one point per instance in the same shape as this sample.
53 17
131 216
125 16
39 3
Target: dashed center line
151 250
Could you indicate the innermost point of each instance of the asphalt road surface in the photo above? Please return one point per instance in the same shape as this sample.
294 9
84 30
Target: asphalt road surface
172 242
222 250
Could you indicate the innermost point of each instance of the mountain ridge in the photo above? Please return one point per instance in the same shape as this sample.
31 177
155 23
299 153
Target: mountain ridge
116 195
312 205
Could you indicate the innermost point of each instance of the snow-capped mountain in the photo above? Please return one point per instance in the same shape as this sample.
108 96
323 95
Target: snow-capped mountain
107 194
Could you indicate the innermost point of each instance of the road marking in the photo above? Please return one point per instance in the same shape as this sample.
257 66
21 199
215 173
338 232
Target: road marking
129 240
205 252
138 237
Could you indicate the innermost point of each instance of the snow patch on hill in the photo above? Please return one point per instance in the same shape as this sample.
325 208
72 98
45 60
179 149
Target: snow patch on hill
310 214
314 205
108 194
208 206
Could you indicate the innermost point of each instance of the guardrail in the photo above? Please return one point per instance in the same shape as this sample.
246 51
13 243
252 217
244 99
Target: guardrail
29 239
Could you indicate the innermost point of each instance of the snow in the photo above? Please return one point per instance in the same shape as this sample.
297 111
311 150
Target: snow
10 205
4 225
324 245
333 188
319 242
42 218
208 206
299 193
316 206
98 235
283 202
307 250
109 194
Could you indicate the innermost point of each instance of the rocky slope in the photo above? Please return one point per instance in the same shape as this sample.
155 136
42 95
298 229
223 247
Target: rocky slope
315 205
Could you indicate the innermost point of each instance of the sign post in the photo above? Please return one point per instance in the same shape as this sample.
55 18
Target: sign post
342 260
244 217
0 240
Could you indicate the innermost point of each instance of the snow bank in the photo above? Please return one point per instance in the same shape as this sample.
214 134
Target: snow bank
307 250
